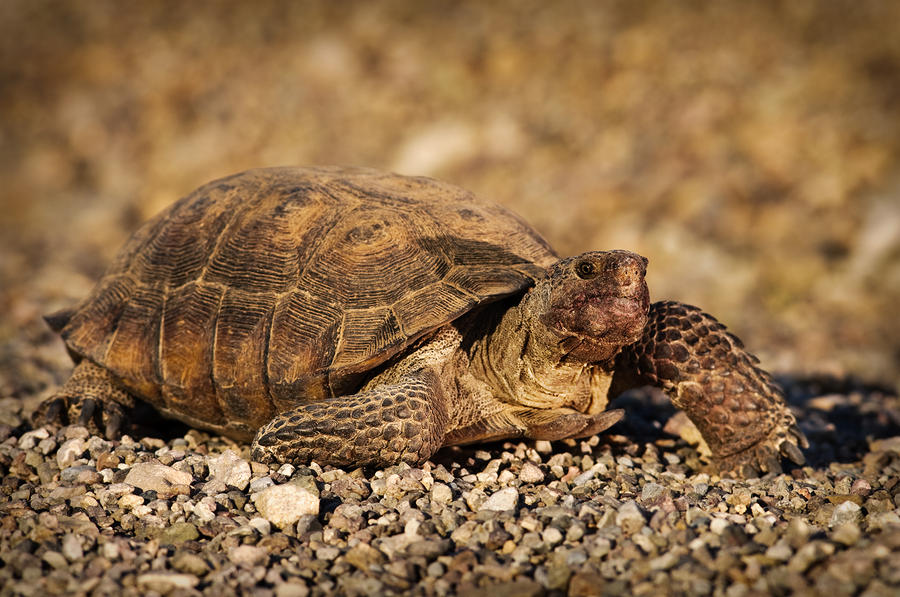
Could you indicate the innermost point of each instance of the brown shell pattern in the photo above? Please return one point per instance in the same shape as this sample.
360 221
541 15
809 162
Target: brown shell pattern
283 285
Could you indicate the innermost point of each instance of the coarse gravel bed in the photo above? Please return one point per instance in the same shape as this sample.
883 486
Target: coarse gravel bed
172 511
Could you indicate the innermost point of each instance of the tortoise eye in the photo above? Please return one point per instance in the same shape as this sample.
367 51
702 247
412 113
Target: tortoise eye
585 270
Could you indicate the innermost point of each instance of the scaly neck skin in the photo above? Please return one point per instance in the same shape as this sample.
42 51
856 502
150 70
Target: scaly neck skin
521 360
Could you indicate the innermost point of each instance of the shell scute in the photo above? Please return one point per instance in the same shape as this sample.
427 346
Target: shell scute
186 358
240 347
133 349
305 332
177 251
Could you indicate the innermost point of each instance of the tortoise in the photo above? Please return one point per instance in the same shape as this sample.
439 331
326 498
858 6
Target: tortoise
354 317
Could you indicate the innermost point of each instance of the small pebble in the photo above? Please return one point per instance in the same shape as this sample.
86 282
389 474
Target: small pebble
55 559
257 485
651 491
847 533
247 555
781 552
441 493
284 505
364 556
503 500
178 533
630 517
69 452
262 525
287 470
718 525
165 582
543 447
296 589
71 548
552 536
190 563
152 476
844 513
530 473
30 439
230 469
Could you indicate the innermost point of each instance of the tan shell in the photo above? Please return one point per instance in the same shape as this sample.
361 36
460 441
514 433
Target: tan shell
278 286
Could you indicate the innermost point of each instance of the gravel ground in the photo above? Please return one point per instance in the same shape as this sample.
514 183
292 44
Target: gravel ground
170 510
750 150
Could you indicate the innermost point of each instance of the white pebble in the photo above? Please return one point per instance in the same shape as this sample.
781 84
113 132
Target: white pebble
411 528
543 446
261 524
71 547
153 476
552 536
69 452
30 439
247 555
845 512
165 582
284 505
441 493
531 473
130 501
205 509
110 550
503 500
584 477
229 468
718 525
505 477
141 510
45 446
261 483
327 553
287 469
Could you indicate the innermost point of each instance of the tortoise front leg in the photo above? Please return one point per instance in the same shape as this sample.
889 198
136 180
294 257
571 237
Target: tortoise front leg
400 422
738 409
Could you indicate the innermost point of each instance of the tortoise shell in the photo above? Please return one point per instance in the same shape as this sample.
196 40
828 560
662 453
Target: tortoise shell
279 286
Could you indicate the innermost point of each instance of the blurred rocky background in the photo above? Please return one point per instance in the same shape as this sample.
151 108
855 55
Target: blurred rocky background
750 150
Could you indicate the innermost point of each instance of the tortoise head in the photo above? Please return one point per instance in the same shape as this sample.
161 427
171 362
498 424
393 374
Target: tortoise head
595 303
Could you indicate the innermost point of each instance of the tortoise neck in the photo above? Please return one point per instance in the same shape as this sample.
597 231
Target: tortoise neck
521 360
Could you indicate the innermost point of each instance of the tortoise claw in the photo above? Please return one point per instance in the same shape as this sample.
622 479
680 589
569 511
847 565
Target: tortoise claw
113 425
772 464
54 411
798 435
88 408
601 422
790 451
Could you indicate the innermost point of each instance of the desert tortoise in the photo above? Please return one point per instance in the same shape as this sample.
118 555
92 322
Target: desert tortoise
354 317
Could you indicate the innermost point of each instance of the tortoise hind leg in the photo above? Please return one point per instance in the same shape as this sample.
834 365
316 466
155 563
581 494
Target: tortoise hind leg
736 406
403 421
90 398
